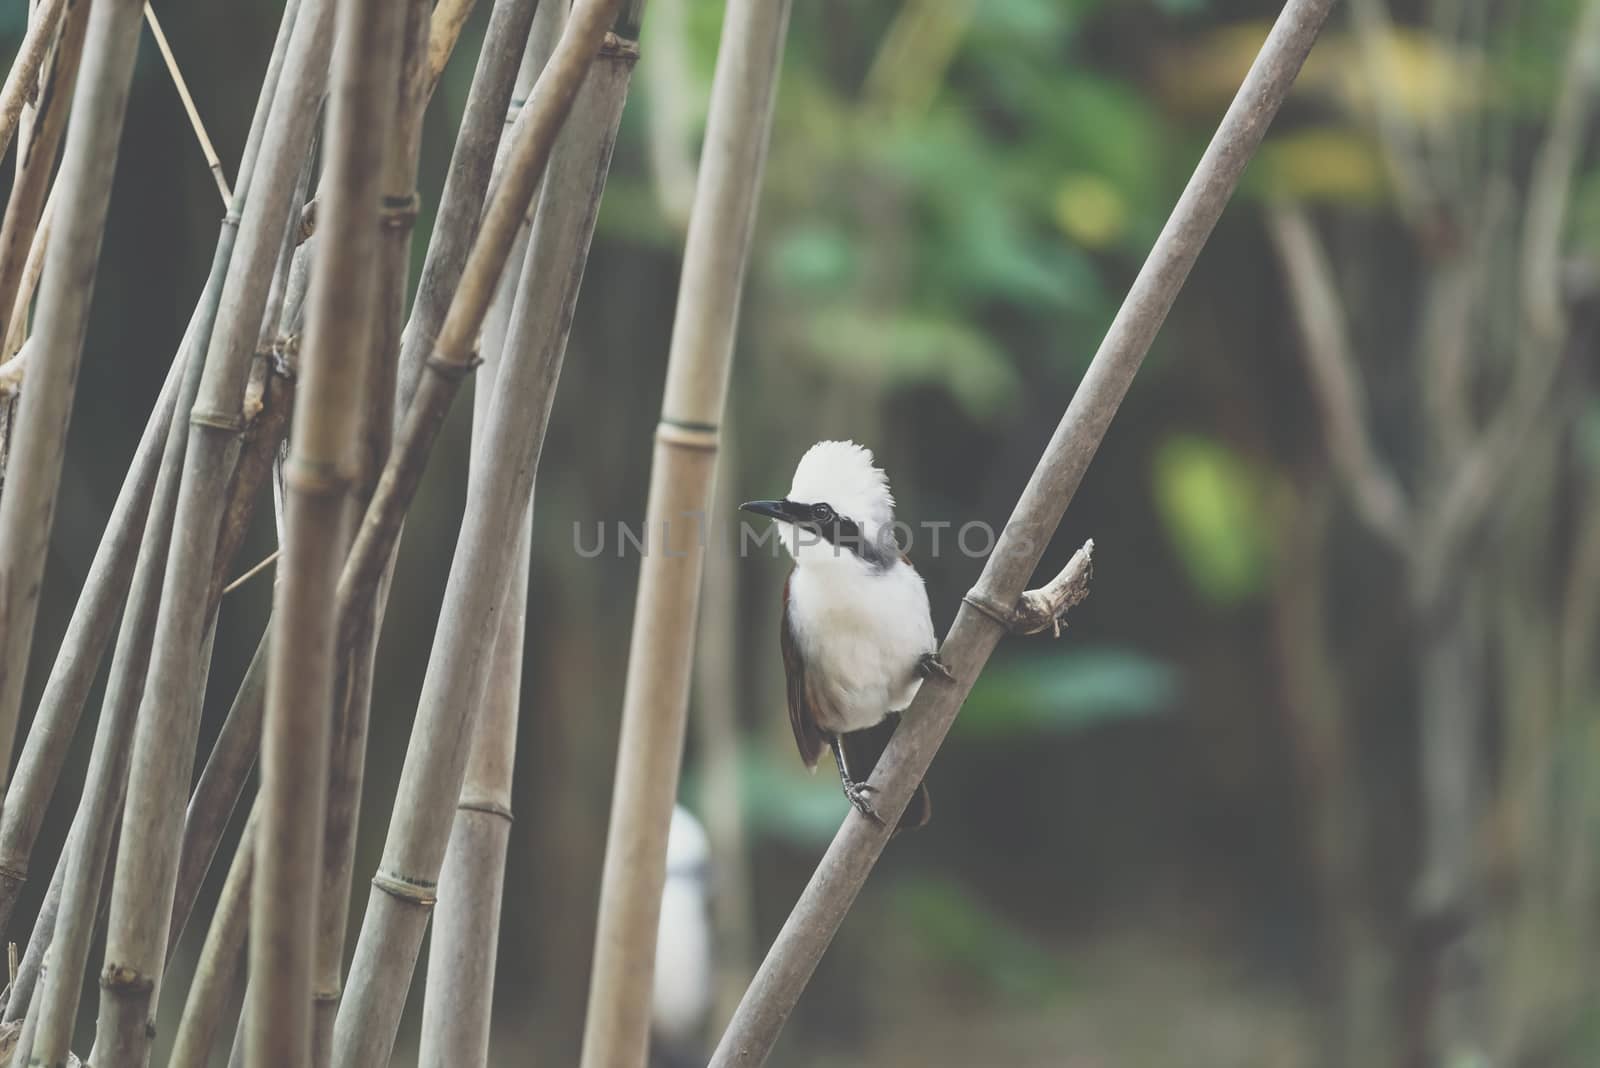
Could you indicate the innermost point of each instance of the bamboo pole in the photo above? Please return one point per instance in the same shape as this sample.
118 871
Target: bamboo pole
458 1006
168 721
111 572
683 469
404 888
844 868
357 661
24 71
39 434
460 207
341 328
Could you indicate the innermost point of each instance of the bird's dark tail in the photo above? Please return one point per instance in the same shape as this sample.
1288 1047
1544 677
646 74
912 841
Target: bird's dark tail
861 752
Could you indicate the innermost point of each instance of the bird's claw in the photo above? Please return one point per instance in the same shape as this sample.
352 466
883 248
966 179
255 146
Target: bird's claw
930 666
860 795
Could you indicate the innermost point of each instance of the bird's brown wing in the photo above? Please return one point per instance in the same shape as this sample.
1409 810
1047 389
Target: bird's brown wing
808 736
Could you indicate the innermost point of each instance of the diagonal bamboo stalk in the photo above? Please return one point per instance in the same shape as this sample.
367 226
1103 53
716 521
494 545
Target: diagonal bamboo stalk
844 868
221 961
168 721
683 469
457 1010
341 328
38 437
90 841
404 887
37 160
24 71
444 30
461 203
17 327
111 572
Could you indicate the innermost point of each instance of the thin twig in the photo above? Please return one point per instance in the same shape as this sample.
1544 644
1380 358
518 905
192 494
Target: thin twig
1335 377
974 635
212 160
271 559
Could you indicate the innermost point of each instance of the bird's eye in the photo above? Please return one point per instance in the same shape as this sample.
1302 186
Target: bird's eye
822 513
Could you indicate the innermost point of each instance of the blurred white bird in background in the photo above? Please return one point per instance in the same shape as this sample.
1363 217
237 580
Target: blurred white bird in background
681 998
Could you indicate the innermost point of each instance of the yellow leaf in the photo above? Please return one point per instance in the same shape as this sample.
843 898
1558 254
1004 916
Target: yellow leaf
1090 210
1323 164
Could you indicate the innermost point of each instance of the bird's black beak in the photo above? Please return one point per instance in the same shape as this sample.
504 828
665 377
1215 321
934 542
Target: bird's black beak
770 509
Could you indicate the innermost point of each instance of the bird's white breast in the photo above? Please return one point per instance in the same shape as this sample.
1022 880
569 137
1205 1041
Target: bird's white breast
861 632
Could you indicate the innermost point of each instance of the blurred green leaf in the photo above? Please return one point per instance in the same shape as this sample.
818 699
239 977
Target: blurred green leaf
902 349
1067 691
814 257
783 800
954 928
1212 502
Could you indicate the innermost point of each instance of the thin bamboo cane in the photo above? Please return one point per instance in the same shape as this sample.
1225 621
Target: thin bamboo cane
459 999
24 71
404 887
844 868
37 162
45 749
221 961
461 203
356 663
17 325
164 742
111 572
90 843
343 305
656 693
38 437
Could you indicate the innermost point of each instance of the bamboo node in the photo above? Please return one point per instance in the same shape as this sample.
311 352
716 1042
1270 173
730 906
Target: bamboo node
17 873
493 808
120 977
283 357
399 212
702 437
315 478
614 47
325 996
308 222
232 422
453 370
418 892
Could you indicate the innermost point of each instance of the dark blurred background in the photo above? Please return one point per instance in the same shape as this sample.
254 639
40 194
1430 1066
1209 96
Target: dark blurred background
1207 826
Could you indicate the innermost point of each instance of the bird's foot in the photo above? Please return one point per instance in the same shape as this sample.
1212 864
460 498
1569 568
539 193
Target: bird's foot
930 666
860 795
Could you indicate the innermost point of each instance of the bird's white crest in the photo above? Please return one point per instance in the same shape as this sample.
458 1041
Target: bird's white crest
844 475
